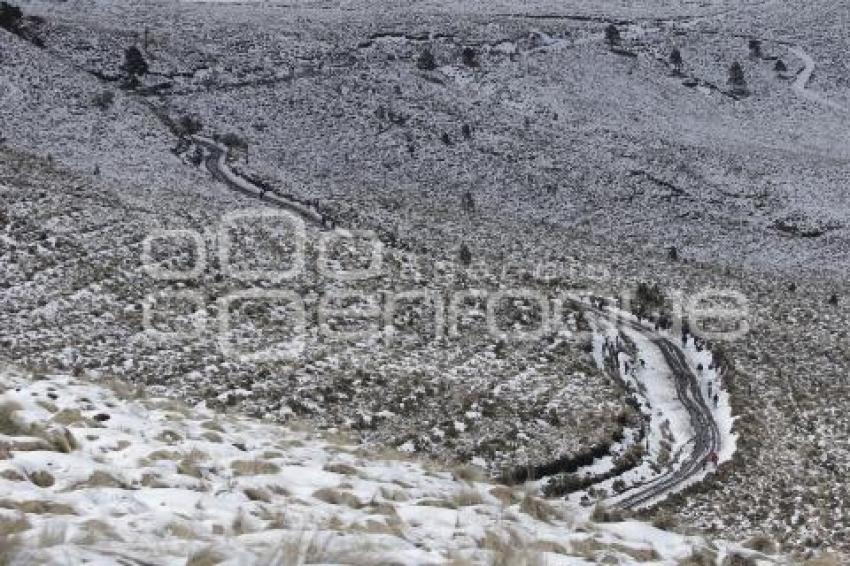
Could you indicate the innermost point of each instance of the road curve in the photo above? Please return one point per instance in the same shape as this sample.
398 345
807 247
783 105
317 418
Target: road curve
216 164
801 83
707 433
706 437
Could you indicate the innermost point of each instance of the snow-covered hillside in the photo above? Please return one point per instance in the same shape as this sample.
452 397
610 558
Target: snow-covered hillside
98 471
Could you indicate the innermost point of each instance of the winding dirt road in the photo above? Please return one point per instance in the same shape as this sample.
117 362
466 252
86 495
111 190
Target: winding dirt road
706 438
706 432
216 164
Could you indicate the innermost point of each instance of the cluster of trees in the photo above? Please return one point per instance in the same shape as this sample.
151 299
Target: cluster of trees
736 80
10 17
427 62
647 298
12 20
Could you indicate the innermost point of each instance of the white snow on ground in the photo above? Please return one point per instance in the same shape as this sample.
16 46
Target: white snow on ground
97 471
670 431
670 426
723 410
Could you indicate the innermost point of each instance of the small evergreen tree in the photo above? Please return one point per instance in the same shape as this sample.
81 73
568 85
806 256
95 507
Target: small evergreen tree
676 61
469 57
755 49
467 203
465 255
466 131
10 17
780 66
134 63
612 35
189 125
736 78
426 61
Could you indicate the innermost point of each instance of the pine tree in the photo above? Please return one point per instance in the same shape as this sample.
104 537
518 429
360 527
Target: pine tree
755 49
676 61
134 63
426 61
10 16
612 35
780 66
736 78
467 203
465 255
470 57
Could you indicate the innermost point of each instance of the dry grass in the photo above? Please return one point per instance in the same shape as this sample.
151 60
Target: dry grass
700 557
211 436
213 425
169 406
825 560
188 464
68 417
100 478
341 468
338 497
274 517
240 524
254 467
207 556
169 436
603 514
38 507
11 475
181 529
52 535
47 406
10 548
122 389
761 543
9 424
664 520
396 495
172 455
467 497
509 548
42 478
468 473
60 439
257 494
737 559
539 509
94 531
506 495
11 526
322 548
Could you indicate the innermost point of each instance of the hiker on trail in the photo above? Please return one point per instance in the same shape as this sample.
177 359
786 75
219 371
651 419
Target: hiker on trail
709 389
713 458
262 193
716 400
642 363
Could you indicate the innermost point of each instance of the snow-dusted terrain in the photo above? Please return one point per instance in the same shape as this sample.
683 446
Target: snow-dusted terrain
97 472
489 147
